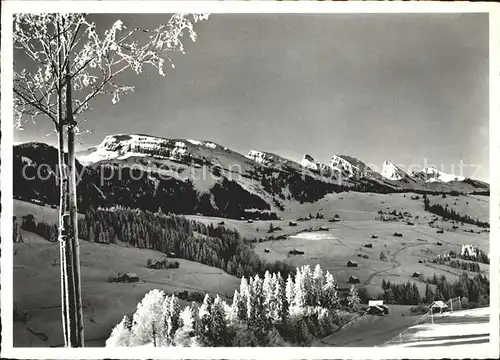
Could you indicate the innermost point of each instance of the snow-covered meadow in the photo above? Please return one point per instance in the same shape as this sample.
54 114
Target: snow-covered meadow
459 329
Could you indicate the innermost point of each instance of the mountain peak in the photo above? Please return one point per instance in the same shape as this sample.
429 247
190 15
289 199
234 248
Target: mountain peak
433 174
310 163
346 166
393 172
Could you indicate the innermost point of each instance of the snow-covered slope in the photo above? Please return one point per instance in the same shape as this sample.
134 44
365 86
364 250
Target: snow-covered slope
123 146
267 158
344 167
393 172
327 170
432 174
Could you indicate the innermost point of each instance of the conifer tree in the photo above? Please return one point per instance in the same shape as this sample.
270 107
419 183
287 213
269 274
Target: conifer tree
330 296
318 284
429 295
290 290
185 334
268 294
205 321
173 319
235 306
218 325
243 297
281 309
415 294
255 303
353 298
300 289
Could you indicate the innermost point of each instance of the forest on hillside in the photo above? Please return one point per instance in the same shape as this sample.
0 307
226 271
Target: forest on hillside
449 213
171 234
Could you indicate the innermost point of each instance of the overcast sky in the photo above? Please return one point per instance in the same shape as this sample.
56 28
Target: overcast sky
398 87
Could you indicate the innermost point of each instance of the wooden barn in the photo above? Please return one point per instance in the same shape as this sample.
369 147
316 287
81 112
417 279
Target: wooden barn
336 218
438 307
126 278
353 280
292 223
352 264
296 252
377 307
158 264
368 246
374 236
416 274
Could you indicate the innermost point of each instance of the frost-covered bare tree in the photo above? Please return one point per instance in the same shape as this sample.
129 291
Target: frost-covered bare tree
69 63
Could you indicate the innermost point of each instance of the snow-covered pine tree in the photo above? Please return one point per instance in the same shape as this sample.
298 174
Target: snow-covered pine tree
121 336
203 325
330 298
299 299
235 306
290 291
255 302
318 283
243 296
281 308
173 320
185 334
325 321
218 326
353 299
268 295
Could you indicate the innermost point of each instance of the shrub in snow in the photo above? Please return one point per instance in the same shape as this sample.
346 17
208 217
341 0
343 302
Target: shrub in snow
121 334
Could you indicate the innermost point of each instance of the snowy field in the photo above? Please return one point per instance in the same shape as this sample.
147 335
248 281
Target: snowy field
460 329
314 236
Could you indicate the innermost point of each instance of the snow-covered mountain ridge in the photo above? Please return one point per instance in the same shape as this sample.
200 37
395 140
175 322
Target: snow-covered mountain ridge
432 174
125 146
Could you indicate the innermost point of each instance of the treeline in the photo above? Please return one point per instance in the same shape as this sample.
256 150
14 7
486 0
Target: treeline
266 311
49 232
451 214
403 294
207 244
457 264
214 246
475 290
473 253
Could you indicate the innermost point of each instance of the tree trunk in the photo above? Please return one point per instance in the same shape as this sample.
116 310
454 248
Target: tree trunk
63 237
63 186
73 211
